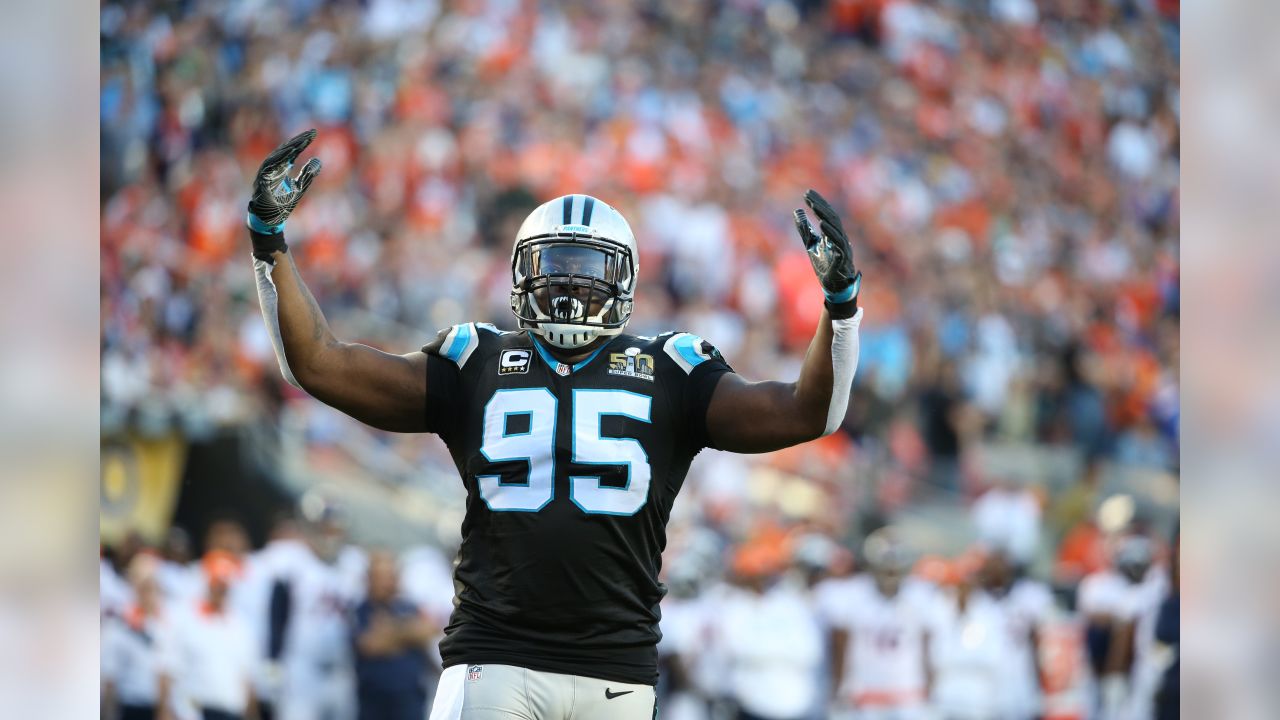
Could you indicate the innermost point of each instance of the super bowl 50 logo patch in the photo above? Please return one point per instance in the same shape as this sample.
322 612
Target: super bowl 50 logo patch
631 363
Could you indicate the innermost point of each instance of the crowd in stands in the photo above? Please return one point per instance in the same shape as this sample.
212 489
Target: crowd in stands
1009 170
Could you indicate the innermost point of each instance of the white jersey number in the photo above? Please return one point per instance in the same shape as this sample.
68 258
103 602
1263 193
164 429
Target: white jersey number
536 446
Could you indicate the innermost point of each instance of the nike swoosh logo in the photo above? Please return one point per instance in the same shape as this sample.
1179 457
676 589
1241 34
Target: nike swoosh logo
611 695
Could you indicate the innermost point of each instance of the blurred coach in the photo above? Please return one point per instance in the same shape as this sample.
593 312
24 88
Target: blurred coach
391 637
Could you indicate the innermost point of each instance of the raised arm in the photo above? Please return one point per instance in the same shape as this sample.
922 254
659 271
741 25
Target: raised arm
377 388
763 416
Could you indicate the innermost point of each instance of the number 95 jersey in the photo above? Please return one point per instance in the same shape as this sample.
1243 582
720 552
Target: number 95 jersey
570 471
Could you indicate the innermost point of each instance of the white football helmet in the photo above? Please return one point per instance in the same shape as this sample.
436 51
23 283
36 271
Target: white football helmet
573 271
887 558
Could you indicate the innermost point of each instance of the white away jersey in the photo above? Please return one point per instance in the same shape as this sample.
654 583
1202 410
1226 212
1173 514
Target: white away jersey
885 656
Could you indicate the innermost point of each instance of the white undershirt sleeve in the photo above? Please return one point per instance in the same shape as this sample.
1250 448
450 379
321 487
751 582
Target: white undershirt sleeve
844 363
268 300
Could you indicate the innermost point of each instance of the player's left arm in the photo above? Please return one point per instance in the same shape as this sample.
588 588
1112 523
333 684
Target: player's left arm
764 416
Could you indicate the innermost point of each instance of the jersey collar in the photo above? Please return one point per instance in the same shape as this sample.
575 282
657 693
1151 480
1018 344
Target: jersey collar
554 364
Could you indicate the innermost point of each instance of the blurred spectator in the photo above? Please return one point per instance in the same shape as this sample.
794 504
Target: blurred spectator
1007 518
391 637
208 661
772 642
941 407
1142 446
130 647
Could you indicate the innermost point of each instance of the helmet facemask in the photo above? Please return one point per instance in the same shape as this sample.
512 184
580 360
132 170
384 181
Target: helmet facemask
572 288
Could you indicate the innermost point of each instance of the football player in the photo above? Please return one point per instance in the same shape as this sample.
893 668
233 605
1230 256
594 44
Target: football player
880 624
1026 605
1120 607
572 439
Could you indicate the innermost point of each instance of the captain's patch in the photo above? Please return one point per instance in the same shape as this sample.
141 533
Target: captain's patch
514 361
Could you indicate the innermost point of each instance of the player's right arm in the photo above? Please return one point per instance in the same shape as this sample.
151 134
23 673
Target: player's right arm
377 388
383 390
765 416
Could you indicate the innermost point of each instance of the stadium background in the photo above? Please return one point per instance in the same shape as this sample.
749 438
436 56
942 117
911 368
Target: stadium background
1011 168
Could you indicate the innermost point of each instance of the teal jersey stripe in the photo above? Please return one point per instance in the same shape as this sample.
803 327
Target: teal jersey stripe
685 346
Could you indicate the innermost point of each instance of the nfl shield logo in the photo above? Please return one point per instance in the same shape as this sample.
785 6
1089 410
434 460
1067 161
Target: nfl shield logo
473 672
562 370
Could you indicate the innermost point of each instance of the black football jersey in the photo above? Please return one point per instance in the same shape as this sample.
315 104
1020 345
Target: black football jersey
570 471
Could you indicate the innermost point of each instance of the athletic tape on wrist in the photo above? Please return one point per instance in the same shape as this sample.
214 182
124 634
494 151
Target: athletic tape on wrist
269 300
844 364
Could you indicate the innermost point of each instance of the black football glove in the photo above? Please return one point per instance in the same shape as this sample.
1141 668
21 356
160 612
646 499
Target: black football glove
275 194
831 256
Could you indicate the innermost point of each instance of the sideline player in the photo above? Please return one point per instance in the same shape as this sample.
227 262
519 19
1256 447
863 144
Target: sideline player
572 440
1027 607
880 624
